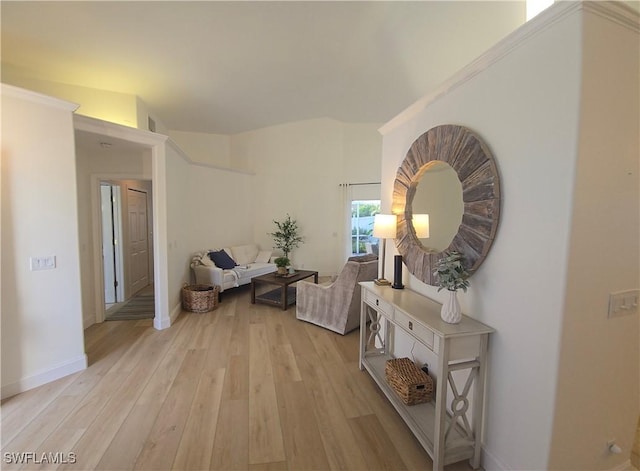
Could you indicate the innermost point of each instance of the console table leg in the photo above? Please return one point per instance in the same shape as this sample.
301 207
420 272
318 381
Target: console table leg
441 405
479 402
363 333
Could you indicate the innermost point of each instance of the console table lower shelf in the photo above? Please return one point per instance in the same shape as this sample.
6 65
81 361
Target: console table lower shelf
420 418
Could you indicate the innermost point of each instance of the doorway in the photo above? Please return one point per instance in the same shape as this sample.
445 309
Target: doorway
126 249
114 153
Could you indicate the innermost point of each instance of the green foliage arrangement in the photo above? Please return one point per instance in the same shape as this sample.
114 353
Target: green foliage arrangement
286 237
451 273
282 262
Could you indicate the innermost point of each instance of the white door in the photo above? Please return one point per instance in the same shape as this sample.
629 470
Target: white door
138 240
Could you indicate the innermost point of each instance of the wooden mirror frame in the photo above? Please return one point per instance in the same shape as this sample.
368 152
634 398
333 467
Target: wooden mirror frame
469 156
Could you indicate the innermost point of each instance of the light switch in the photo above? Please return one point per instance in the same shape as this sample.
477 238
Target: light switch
623 303
42 263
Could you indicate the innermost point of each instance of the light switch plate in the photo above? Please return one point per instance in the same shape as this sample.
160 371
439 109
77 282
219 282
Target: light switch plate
42 263
623 303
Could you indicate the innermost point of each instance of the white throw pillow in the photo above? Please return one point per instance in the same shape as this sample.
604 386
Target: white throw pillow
244 254
264 256
206 261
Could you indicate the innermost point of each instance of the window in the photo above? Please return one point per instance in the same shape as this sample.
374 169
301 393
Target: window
362 213
536 6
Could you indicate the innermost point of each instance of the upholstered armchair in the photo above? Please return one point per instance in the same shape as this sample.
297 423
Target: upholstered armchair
336 306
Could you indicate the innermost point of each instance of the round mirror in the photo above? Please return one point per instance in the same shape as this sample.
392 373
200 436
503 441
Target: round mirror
472 233
438 194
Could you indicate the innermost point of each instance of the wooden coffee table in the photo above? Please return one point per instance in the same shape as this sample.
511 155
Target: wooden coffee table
283 296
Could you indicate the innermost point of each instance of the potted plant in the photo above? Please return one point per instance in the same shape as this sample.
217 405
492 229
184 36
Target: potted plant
282 263
286 237
452 275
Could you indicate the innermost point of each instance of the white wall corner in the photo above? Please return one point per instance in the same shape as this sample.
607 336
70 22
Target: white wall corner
88 320
175 312
618 12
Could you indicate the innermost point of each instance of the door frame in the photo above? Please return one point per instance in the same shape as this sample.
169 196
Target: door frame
157 144
118 242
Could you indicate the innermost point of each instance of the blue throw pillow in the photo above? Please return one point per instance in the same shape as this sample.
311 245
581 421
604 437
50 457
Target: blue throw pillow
222 260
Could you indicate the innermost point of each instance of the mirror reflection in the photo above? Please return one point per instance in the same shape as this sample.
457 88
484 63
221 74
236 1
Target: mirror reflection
439 194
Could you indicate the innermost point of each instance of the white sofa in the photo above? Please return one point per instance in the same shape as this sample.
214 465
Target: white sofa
250 261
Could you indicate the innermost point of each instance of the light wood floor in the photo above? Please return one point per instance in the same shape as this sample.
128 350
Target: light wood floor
245 387
635 452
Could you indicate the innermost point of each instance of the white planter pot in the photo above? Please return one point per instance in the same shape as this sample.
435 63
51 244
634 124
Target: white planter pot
450 312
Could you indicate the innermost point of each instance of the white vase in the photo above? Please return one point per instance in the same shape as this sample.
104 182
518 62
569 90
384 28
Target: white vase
450 312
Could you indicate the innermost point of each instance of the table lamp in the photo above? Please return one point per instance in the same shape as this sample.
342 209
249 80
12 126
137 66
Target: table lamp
384 227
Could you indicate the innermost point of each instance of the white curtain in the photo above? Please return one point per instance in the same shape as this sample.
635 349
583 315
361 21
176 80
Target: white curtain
346 198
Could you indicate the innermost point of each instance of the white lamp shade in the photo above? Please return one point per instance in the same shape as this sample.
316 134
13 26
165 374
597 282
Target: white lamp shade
421 225
384 226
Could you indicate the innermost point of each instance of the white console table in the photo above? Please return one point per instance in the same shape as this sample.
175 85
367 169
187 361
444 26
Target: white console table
444 429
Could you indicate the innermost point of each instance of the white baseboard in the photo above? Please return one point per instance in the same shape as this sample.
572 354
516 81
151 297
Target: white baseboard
626 466
165 323
175 312
88 321
490 462
59 371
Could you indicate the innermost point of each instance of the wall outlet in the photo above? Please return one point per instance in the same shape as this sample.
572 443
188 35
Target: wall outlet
42 263
623 303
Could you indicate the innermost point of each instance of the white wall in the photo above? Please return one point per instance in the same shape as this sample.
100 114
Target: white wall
224 208
179 212
207 208
42 336
361 153
525 106
143 113
213 149
298 168
599 369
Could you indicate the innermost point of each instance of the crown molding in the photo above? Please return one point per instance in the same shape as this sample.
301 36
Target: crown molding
39 98
190 161
617 12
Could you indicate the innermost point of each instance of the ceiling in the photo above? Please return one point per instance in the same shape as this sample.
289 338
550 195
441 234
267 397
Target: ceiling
229 67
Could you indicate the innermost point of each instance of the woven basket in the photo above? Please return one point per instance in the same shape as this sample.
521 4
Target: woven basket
200 298
412 384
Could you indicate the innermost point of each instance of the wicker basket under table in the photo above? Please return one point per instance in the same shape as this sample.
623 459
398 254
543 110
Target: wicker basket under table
413 385
200 298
